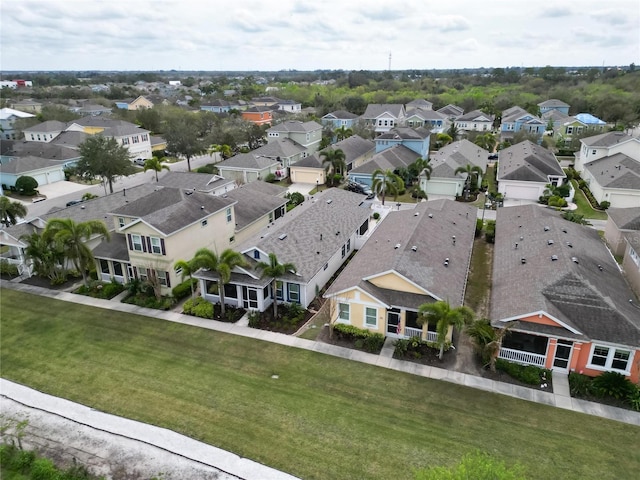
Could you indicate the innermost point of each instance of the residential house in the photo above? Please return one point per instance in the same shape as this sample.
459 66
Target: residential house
27 105
553 104
139 103
433 120
566 128
444 180
258 115
265 101
614 179
197 182
622 234
451 111
562 296
216 106
155 231
127 134
475 121
416 139
384 117
412 258
290 106
393 158
592 122
45 131
310 170
606 144
420 103
525 170
556 118
306 134
8 117
91 109
339 118
275 157
317 237
516 119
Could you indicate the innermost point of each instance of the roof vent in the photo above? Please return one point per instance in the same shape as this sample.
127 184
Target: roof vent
446 262
549 242
516 246
431 215
554 258
569 244
523 260
546 229
564 230
521 238
574 259
201 207
81 207
282 237
329 201
338 233
397 246
600 268
414 248
416 214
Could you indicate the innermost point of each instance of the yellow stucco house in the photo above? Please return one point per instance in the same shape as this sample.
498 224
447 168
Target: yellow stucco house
413 257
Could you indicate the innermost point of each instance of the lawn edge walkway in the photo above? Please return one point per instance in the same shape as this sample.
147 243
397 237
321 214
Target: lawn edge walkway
560 399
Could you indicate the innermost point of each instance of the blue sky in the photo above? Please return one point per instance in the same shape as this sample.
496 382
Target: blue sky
306 35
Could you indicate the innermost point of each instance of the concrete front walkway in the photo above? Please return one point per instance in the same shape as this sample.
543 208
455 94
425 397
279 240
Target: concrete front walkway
560 398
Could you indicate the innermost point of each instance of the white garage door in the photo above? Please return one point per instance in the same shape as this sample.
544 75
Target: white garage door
521 192
624 201
441 188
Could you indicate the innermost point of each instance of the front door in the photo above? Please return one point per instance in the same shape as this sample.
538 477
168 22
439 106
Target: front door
563 355
393 322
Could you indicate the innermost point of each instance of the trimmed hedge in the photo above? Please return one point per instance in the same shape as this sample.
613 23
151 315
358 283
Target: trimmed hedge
363 339
183 289
529 374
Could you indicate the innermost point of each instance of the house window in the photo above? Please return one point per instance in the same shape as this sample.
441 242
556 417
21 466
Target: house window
135 139
343 312
163 278
371 317
249 297
145 137
326 265
294 292
179 271
117 269
593 152
569 130
610 358
344 250
38 136
155 246
232 239
136 241
204 223
143 274
229 215
125 141
348 245
33 137
634 256
104 266
120 222
279 291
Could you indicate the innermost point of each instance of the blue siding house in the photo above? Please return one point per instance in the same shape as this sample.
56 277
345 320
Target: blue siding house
416 139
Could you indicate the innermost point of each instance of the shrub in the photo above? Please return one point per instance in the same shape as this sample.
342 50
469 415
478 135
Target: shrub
580 385
417 192
604 205
26 185
295 198
189 305
254 319
557 201
376 215
363 339
490 231
203 309
612 384
479 225
183 290
7 268
529 374
270 178
112 289
44 469
634 399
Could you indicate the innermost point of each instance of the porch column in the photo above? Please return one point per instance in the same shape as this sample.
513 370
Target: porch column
575 356
551 353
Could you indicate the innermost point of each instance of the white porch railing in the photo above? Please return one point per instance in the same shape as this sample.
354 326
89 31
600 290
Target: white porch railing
417 332
518 356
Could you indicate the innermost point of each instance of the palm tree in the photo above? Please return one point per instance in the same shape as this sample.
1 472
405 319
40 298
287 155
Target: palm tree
453 131
187 269
486 141
487 340
473 173
72 238
385 181
222 264
421 165
225 150
443 316
47 257
343 132
11 211
155 165
275 269
333 161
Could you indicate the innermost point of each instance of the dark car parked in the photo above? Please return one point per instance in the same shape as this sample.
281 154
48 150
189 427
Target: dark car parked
360 188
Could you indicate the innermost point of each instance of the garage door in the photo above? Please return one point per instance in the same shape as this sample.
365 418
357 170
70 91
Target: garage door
435 187
624 201
521 192
306 176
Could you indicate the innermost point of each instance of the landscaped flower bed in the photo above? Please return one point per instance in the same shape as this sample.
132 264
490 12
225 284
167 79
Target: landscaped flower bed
199 307
609 388
290 318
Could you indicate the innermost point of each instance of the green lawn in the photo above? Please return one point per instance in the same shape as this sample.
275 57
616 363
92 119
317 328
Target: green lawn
479 281
324 417
584 207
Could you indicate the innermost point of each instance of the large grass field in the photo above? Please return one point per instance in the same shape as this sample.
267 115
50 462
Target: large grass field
323 418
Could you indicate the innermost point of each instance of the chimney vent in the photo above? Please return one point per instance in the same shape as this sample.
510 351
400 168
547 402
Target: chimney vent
523 260
431 215
414 248
574 259
397 246
446 262
600 268
282 236
546 229
554 258
549 242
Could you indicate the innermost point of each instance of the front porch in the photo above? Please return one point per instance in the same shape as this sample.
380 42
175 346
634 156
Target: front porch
525 349
396 329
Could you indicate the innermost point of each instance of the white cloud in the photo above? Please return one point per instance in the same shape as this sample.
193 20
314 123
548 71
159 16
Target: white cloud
276 34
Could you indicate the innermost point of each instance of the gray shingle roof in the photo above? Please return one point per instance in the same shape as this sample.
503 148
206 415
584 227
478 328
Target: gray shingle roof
555 115
592 301
458 154
112 127
252 204
312 161
201 182
374 110
616 171
48 126
527 161
389 159
425 114
420 103
50 151
405 133
171 209
22 165
114 249
477 116
341 114
451 110
625 218
335 221
553 102
265 156
70 139
295 126
354 147
608 139
432 237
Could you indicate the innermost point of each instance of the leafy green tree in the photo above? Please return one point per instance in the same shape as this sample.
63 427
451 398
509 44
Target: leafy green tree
222 264
419 166
386 182
473 174
26 185
274 269
453 132
443 316
149 119
182 136
333 161
46 256
103 157
155 165
72 238
343 132
187 268
10 211
486 141
225 150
